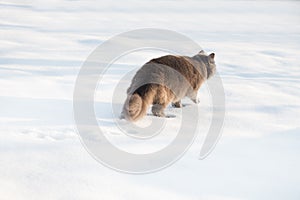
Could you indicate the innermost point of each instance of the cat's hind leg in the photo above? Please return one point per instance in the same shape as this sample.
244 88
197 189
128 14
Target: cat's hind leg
158 110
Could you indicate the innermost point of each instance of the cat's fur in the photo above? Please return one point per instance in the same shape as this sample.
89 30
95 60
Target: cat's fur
165 80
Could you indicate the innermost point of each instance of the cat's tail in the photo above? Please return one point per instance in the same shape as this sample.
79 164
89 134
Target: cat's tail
135 107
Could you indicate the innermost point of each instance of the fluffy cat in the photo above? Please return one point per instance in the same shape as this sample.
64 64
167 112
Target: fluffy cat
165 80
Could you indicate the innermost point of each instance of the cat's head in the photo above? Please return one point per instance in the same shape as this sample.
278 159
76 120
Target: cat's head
209 61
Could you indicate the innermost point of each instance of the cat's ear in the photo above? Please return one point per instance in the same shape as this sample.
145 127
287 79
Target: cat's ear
201 52
212 55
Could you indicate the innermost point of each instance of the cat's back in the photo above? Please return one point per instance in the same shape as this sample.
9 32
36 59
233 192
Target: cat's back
179 63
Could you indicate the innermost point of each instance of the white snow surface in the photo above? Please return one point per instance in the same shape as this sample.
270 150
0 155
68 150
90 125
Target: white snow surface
43 45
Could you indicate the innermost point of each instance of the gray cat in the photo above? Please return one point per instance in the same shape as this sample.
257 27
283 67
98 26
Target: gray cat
165 80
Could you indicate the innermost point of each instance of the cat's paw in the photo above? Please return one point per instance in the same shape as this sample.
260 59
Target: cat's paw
159 114
196 100
177 105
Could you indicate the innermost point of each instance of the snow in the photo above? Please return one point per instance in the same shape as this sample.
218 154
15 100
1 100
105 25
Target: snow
43 45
